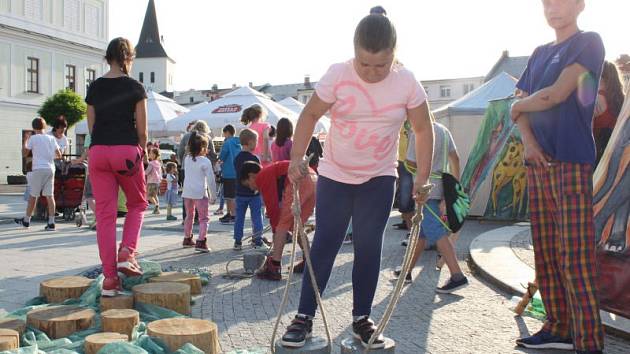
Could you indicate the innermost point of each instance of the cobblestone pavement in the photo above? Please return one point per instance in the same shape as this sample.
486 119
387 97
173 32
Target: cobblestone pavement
477 319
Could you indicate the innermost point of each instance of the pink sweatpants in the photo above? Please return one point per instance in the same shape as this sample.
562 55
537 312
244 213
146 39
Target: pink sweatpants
111 167
202 209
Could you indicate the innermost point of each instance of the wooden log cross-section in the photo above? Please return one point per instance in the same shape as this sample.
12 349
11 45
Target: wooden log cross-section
60 321
173 296
9 339
178 277
120 321
13 323
117 302
176 332
94 342
61 289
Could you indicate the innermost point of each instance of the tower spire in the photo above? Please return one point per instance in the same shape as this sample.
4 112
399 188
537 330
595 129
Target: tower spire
150 42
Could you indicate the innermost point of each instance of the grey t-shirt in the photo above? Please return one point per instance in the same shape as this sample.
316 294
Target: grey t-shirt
440 157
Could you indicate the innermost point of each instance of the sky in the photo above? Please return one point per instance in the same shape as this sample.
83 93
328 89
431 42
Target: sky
229 42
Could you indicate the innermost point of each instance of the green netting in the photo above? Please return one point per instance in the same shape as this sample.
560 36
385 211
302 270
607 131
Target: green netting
34 341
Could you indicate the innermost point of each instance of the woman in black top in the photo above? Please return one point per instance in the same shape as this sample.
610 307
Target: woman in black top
117 120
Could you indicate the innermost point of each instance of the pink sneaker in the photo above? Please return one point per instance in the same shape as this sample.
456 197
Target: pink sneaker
111 287
127 263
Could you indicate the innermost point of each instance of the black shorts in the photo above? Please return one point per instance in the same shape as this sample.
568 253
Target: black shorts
229 188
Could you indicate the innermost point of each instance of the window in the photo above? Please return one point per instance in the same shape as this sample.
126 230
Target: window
445 91
32 75
152 77
90 77
71 16
141 77
33 9
192 100
71 77
468 88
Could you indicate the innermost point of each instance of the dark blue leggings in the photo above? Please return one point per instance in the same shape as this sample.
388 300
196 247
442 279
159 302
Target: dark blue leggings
369 205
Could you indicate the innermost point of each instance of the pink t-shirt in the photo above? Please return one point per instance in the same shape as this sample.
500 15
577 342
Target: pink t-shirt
365 121
155 175
281 153
259 128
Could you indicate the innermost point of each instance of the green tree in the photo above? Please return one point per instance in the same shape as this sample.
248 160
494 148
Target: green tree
67 103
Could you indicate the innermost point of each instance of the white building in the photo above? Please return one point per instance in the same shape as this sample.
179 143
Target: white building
152 65
45 46
445 91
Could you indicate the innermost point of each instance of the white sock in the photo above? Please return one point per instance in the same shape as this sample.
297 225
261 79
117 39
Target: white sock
51 219
27 219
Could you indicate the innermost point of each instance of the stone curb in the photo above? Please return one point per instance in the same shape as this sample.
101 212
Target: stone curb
492 256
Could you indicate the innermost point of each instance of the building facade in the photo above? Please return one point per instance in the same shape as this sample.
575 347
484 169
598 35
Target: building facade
442 92
45 46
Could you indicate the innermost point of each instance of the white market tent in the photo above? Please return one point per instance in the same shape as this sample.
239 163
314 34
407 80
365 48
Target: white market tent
464 117
228 110
160 110
323 125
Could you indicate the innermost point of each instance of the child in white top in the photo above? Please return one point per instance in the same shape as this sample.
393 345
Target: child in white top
199 189
172 187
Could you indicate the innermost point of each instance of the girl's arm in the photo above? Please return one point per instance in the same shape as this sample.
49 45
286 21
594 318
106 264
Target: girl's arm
314 110
91 114
212 184
420 120
141 123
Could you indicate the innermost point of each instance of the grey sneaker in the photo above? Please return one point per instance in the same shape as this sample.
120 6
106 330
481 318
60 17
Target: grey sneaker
452 286
237 246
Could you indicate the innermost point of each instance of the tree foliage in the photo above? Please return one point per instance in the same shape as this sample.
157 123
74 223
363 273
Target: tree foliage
67 103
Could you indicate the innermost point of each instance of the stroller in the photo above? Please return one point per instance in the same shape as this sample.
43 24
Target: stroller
69 183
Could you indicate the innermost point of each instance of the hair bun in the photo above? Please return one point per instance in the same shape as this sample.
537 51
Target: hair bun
378 10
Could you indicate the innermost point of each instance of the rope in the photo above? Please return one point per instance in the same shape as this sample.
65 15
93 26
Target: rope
406 266
298 232
242 275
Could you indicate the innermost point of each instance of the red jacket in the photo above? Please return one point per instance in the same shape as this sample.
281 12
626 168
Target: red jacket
271 182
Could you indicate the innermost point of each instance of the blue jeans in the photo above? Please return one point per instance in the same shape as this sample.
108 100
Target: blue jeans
255 208
369 205
405 190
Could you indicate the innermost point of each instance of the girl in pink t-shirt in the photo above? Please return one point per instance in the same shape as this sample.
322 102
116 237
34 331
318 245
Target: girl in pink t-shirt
281 147
154 177
369 97
254 118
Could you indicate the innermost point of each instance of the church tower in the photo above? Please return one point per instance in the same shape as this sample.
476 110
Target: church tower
152 66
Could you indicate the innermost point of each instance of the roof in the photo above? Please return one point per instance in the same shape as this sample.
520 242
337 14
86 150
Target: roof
514 66
476 102
280 92
150 43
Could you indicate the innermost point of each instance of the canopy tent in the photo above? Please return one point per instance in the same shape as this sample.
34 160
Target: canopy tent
465 116
160 110
228 110
323 125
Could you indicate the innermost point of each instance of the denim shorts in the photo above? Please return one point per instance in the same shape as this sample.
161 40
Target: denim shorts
405 190
431 228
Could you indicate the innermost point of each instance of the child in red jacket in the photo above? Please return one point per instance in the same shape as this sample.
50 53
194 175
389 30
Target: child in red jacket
277 194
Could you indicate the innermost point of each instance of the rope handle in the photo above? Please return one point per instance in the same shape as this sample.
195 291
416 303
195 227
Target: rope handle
406 265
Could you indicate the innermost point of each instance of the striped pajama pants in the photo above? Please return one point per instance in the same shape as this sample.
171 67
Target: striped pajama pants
561 209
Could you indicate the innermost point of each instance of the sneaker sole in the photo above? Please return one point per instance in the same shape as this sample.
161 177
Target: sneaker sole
558 346
295 344
202 250
365 345
129 269
188 246
452 290
109 293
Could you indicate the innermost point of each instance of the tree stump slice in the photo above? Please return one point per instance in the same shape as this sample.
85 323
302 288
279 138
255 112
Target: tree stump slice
61 289
176 332
183 278
117 302
60 321
94 342
120 321
9 339
173 296
314 345
13 323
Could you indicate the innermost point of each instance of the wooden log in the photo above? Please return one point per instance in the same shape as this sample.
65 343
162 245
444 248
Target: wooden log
94 342
117 302
60 321
178 277
120 321
13 323
176 332
173 296
9 339
61 289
